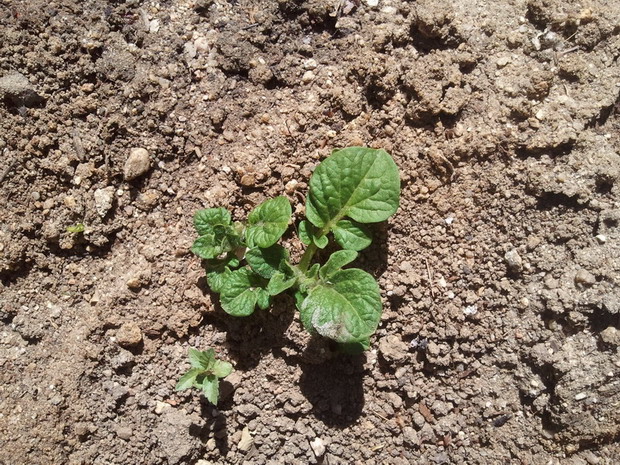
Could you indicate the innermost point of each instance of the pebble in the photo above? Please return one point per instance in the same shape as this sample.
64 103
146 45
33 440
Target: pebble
308 77
124 432
585 278
18 89
581 396
246 441
601 238
248 180
104 198
411 436
392 348
513 260
160 407
318 447
129 334
611 336
137 164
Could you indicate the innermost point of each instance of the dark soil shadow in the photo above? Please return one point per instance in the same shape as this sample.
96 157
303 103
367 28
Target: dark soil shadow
335 388
249 338
215 427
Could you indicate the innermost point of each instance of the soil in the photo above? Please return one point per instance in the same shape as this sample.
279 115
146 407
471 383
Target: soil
500 273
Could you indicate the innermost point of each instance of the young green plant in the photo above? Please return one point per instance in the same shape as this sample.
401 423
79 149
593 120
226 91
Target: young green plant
205 374
245 265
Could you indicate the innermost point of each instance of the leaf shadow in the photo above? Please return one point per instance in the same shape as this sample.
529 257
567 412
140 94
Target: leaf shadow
335 387
249 338
214 427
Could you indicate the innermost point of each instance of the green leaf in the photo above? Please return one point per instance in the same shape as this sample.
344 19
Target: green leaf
241 291
211 388
313 272
357 182
216 279
354 348
267 261
320 242
205 220
345 309
221 239
222 369
352 235
267 222
336 261
279 283
201 359
188 379
217 271
300 296
306 231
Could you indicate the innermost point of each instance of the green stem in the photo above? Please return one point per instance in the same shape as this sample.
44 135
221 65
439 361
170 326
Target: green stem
307 257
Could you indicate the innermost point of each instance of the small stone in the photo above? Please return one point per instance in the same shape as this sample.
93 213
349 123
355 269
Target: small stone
601 238
16 88
246 441
104 198
392 348
248 180
502 61
513 260
611 336
308 77
160 407
581 396
137 164
318 447
585 278
134 283
410 436
124 432
129 334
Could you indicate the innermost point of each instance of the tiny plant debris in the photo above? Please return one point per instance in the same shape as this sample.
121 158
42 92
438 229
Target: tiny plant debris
205 374
245 265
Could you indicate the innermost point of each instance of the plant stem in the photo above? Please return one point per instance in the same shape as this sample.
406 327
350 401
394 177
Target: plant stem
307 257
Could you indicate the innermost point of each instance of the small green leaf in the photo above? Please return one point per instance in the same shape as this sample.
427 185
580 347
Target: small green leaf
76 228
306 231
201 359
263 299
267 261
299 298
346 309
313 272
222 369
279 283
352 235
267 222
320 242
205 220
211 388
357 182
336 261
221 239
241 291
188 379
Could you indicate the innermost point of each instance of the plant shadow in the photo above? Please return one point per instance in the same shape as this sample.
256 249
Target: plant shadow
335 387
249 338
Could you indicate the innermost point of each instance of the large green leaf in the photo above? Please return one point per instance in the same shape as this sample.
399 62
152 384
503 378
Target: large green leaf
222 369
335 262
267 222
352 235
204 220
219 240
267 261
357 182
211 388
242 291
346 309
188 379
279 283
201 359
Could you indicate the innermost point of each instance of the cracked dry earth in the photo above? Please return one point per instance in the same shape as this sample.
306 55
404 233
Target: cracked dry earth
500 337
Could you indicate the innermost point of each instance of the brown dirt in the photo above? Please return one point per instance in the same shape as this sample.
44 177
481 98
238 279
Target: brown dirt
500 272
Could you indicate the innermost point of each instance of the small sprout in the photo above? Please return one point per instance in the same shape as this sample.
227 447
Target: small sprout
247 267
76 228
205 374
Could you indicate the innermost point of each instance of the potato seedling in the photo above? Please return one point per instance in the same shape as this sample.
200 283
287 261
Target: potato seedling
245 265
205 374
